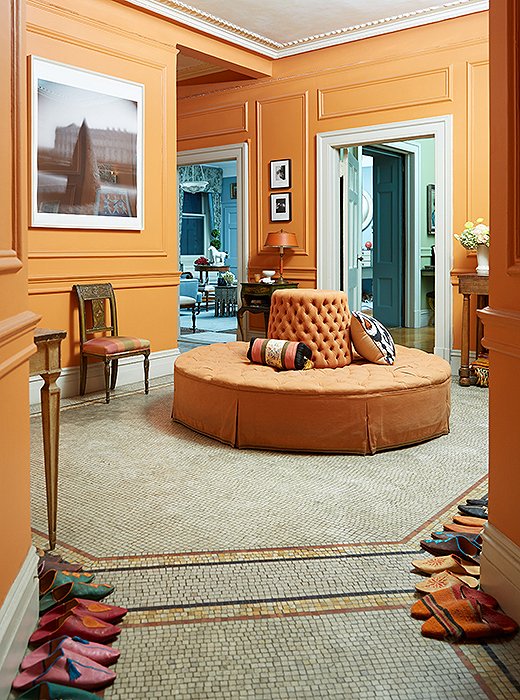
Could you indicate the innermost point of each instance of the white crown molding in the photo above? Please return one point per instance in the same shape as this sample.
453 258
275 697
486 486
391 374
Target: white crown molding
222 29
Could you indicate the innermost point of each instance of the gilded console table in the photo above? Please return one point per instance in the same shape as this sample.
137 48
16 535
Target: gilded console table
471 284
256 299
47 363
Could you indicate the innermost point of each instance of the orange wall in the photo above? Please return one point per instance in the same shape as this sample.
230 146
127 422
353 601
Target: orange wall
427 71
16 321
502 321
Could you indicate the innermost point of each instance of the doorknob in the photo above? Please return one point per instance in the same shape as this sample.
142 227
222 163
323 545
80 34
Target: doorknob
360 258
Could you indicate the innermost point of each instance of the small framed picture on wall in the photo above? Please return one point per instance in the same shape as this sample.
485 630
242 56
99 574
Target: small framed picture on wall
281 206
280 174
233 190
430 209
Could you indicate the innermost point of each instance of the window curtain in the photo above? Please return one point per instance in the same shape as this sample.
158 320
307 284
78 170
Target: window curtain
213 176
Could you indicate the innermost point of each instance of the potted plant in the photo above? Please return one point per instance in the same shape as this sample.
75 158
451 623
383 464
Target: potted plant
215 238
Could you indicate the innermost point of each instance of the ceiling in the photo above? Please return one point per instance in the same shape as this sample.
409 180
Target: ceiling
276 29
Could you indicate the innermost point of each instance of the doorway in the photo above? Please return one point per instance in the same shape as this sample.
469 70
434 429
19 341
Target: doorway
403 135
212 221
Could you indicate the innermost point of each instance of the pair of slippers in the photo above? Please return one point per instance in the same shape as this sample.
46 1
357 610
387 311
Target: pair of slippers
459 613
457 564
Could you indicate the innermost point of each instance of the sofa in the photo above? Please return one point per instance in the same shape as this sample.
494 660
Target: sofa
343 405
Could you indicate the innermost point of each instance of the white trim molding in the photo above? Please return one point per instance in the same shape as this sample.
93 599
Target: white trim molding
500 570
220 28
18 618
130 370
327 183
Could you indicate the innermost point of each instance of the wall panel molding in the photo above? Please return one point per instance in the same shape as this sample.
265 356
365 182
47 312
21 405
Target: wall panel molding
60 284
16 340
501 331
11 240
235 114
429 87
290 152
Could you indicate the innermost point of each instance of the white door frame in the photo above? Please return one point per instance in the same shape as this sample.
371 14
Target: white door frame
327 184
238 152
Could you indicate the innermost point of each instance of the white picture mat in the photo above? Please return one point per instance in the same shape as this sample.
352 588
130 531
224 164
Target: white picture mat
44 69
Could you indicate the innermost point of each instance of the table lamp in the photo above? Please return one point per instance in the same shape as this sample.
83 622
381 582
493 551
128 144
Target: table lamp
281 239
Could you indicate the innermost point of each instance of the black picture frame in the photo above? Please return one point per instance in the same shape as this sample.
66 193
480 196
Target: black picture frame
280 207
280 174
233 190
430 210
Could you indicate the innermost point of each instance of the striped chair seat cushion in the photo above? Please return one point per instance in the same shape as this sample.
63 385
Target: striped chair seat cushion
112 344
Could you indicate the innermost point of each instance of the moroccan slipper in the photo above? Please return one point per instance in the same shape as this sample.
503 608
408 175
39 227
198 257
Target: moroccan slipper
445 579
82 606
477 501
70 670
466 620
53 691
448 535
56 596
469 521
462 529
474 511
447 597
81 588
71 625
100 653
452 562
458 545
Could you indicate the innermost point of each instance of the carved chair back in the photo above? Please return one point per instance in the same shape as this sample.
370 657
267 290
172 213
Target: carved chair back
92 301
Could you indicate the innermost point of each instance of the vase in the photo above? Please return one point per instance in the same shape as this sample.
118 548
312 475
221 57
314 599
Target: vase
482 260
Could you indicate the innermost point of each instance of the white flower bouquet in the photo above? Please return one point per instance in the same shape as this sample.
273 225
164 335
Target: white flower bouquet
474 234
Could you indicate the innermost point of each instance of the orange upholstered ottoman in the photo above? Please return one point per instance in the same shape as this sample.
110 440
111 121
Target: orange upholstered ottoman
360 408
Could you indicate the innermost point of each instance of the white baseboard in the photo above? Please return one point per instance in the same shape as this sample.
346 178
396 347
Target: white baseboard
424 318
500 570
130 370
18 618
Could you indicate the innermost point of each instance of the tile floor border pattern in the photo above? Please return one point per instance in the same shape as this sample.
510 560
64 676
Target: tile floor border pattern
490 672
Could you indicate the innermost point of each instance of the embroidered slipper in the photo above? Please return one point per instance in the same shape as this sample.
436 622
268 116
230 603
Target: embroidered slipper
100 653
452 563
448 596
466 620
71 625
81 606
81 589
469 520
448 535
463 529
50 559
56 596
458 545
53 578
53 691
474 511
478 501
70 670
445 579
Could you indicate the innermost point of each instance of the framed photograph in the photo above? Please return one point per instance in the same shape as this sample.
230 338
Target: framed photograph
87 149
281 206
430 209
280 174
233 190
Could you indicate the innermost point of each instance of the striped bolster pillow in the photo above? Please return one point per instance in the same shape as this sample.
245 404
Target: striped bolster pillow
282 354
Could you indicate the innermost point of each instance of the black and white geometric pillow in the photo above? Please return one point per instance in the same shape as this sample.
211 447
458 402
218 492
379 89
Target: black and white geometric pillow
371 339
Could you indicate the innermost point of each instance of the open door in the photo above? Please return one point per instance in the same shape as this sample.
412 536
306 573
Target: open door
388 255
352 217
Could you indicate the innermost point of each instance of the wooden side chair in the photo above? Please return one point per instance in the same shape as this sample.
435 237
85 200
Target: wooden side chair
92 301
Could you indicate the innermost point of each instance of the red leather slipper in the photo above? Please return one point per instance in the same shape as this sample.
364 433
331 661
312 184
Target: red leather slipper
87 627
82 606
100 653
66 669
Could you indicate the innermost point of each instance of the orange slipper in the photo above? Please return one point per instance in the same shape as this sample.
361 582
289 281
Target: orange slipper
445 579
448 597
469 520
463 529
466 620
451 562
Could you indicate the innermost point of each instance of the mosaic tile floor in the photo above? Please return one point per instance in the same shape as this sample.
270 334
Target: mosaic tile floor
255 574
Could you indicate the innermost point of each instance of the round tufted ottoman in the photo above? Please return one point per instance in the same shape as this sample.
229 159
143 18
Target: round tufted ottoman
316 317
361 408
